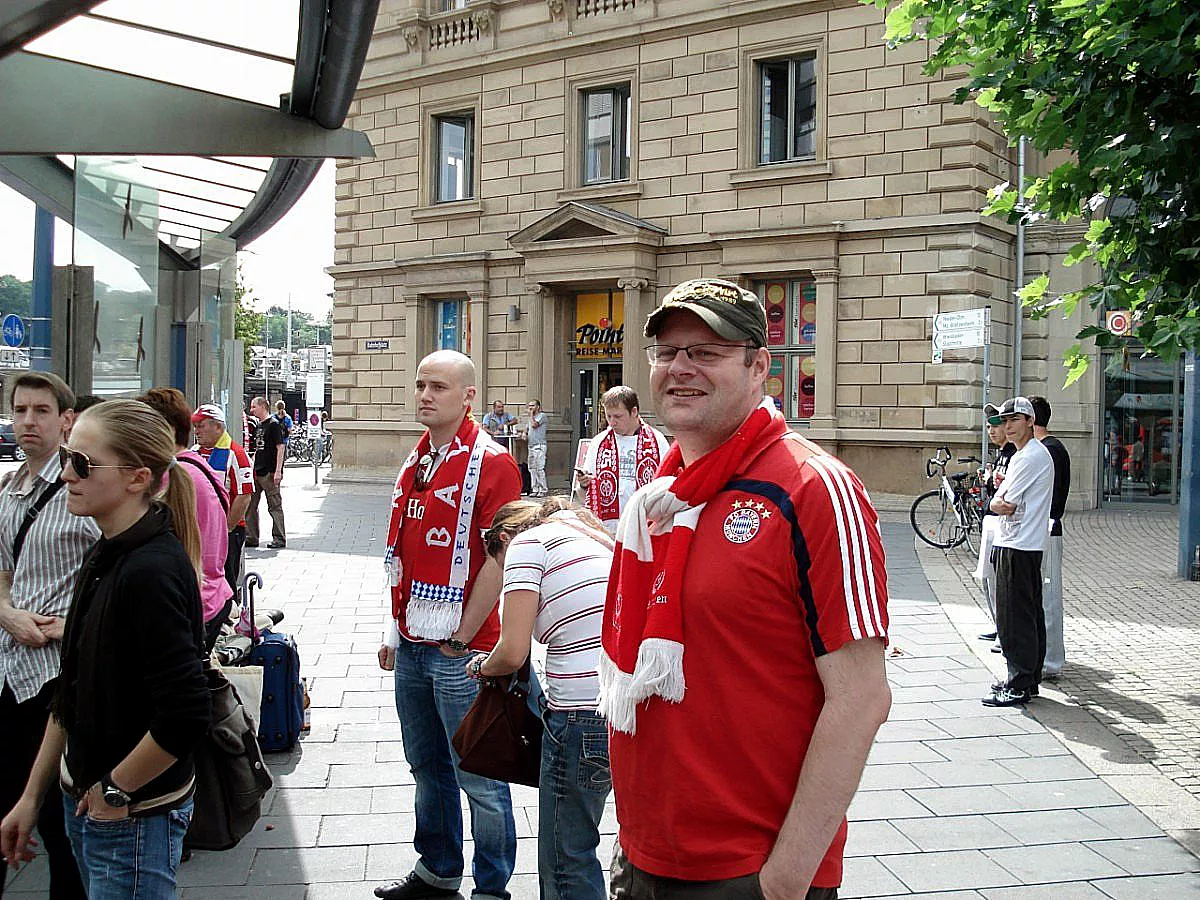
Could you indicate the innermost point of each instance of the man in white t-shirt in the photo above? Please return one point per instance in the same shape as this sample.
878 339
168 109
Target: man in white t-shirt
621 458
1023 504
535 433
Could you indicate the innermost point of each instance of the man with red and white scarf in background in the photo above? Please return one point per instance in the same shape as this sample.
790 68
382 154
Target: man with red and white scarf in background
444 592
621 458
742 671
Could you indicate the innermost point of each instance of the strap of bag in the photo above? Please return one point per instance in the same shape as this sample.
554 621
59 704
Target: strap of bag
31 516
203 467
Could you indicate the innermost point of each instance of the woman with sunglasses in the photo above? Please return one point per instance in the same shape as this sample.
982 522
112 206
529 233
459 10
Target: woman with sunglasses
132 700
556 560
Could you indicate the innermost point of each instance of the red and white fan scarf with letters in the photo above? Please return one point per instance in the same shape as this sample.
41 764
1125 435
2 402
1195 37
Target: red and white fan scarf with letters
440 571
642 634
604 492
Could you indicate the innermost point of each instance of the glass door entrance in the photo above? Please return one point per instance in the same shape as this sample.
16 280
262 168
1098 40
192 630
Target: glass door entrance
591 381
1143 429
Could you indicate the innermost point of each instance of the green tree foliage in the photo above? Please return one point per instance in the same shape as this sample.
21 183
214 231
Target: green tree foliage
304 329
16 296
247 324
1117 84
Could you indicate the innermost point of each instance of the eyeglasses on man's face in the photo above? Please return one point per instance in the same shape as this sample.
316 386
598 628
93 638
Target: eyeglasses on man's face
707 354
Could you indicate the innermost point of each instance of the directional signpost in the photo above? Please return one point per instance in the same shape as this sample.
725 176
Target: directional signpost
964 330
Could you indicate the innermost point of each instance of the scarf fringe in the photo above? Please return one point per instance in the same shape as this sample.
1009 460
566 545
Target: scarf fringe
432 620
658 673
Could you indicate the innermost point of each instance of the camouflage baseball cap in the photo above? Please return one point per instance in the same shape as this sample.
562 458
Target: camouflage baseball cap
734 313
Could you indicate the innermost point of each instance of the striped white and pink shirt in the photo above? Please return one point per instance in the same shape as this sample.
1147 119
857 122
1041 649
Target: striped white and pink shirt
568 570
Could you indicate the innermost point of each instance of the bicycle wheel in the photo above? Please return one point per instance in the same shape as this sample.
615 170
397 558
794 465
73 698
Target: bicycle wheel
934 520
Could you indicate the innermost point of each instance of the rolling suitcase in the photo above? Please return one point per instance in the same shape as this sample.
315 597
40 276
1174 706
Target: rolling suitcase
282 712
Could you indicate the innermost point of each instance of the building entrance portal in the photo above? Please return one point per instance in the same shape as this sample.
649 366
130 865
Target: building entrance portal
596 364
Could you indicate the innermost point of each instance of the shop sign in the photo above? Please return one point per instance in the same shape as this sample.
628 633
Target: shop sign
599 325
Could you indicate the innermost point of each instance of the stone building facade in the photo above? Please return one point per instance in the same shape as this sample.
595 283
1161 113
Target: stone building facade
547 169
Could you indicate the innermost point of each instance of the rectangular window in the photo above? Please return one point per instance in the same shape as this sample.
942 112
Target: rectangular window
452 322
455 154
606 127
448 5
787 109
791 306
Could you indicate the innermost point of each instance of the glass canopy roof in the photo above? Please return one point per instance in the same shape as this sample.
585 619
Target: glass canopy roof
234 48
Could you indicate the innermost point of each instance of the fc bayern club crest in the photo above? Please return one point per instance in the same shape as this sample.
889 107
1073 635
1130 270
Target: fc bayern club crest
743 522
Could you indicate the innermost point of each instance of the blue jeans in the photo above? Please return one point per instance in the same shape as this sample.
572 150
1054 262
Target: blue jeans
134 858
575 783
433 693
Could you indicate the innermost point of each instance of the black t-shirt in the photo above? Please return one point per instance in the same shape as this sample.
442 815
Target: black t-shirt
268 438
1062 480
1000 460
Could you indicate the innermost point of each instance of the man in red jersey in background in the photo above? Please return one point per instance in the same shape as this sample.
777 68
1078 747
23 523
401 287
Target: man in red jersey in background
228 459
743 665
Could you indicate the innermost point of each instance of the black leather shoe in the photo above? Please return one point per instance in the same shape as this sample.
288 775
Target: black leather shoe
411 887
988 636
251 543
1007 697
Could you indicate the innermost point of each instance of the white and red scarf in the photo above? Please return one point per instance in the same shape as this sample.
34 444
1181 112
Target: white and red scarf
439 573
604 491
642 634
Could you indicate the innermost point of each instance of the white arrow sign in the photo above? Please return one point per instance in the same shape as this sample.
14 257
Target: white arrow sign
957 321
958 340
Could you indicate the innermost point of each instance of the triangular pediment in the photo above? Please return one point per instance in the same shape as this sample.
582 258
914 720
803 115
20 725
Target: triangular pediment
576 221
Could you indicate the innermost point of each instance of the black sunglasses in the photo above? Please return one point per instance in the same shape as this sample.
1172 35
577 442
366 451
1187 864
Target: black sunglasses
81 462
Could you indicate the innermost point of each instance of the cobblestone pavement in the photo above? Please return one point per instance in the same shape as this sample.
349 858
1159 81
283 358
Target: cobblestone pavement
958 802
1133 654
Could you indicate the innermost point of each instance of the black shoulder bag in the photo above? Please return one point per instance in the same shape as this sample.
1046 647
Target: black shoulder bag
31 517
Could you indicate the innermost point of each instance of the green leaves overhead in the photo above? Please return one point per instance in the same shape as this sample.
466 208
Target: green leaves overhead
1117 84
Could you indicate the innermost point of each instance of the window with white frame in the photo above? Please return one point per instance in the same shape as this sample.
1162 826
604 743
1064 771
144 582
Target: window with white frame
606 134
454 156
787 109
791 306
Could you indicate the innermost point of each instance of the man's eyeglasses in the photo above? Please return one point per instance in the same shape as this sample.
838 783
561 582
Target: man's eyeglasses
81 462
700 354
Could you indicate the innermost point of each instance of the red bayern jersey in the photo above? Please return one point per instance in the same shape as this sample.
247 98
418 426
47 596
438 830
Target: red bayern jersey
786 566
499 483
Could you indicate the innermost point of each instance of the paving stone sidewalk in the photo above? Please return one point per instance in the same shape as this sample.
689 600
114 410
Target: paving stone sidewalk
959 802
1127 701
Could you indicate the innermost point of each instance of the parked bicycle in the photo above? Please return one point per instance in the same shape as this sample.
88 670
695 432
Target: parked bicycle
952 513
301 447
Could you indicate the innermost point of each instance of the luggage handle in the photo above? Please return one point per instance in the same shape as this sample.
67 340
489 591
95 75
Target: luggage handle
252 581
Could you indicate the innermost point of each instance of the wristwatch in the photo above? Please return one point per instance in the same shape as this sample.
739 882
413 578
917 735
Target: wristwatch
456 645
113 795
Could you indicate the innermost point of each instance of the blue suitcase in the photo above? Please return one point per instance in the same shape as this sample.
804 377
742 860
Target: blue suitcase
282 715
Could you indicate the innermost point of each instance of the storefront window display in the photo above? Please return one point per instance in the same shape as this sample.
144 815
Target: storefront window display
791 307
1143 428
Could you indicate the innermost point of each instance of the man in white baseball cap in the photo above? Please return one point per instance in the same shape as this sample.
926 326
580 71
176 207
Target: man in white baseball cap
1023 504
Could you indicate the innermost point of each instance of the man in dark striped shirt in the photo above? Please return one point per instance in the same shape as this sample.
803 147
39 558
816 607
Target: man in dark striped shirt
36 583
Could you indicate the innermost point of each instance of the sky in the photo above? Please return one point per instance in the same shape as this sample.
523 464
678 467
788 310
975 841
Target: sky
288 259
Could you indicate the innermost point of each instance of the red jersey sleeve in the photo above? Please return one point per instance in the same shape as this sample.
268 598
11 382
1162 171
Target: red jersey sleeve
500 483
241 473
847 582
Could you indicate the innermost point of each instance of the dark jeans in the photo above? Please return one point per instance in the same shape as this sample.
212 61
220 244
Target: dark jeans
1020 619
23 725
212 628
631 883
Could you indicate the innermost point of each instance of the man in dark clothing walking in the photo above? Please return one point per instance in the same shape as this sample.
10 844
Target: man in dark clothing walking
268 475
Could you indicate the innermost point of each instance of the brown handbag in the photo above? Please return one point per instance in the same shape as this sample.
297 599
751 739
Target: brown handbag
500 736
